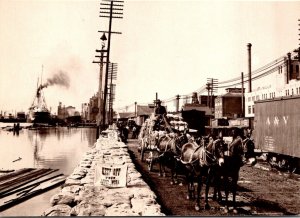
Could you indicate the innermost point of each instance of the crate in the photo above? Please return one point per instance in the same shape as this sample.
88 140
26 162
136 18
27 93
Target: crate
111 175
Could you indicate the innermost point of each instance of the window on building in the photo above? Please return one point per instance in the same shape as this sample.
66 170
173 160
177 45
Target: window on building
249 99
292 91
249 109
297 69
253 98
253 109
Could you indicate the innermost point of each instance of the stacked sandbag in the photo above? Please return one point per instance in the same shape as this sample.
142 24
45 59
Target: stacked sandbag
83 194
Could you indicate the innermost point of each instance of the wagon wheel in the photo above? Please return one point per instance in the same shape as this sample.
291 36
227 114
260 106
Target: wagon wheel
150 162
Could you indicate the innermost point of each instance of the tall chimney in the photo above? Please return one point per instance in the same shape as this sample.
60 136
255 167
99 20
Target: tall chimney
177 103
249 67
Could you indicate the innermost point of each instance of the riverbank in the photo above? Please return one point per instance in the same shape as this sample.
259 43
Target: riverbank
84 195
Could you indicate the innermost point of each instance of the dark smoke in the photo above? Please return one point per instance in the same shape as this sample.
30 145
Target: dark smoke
61 78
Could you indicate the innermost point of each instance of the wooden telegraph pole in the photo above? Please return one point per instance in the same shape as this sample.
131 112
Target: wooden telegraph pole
112 74
102 51
212 87
109 10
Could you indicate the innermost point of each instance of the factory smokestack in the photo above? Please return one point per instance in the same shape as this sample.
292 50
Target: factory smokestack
249 67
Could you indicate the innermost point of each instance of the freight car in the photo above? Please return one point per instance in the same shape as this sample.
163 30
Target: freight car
277 131
196 120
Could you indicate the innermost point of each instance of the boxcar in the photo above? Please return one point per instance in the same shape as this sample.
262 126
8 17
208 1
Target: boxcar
195 119
277 130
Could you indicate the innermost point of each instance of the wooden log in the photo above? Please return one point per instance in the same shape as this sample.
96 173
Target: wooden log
6 171
19 175
13 174
29 185
20 181
14 199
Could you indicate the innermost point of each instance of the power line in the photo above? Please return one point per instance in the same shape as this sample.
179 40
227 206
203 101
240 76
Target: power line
279 62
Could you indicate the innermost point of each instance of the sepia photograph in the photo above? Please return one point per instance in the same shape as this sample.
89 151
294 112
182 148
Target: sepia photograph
149 108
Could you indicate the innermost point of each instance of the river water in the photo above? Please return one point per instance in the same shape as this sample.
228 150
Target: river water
57 148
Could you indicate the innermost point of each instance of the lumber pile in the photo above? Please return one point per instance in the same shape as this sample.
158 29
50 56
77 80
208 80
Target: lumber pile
23 184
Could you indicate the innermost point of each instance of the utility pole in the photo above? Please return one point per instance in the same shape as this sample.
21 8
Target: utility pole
208 87
112 74
249 67
299 41
243 97
108 10
212 87
99 117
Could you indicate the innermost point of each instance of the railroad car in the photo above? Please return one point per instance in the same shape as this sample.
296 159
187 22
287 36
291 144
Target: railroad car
277 131
196 120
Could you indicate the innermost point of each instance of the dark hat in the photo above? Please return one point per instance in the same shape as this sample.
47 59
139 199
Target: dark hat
158 101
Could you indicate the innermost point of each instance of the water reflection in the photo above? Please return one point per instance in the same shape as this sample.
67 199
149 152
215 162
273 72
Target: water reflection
58 148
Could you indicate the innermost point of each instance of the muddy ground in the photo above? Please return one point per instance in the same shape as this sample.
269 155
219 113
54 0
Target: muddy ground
261 191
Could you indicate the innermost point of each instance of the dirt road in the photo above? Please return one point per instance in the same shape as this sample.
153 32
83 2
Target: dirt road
260 192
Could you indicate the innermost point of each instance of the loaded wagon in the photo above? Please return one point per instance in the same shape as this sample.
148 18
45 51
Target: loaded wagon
277 131
149 141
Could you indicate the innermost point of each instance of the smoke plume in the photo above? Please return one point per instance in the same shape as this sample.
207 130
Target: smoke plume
61 78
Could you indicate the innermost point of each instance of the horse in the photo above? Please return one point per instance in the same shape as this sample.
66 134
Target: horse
239 151
200 161
169 148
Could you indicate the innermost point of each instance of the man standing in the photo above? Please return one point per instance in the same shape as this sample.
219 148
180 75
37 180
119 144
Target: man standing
160 114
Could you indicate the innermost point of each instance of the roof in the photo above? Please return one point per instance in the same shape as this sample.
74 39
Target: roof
197 107
125 115
230 94
144 110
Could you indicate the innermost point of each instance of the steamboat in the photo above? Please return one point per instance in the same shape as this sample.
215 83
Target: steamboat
38 111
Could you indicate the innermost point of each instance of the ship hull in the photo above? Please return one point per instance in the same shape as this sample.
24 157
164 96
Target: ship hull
40 117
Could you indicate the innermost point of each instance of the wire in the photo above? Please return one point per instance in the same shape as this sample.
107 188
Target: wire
264 71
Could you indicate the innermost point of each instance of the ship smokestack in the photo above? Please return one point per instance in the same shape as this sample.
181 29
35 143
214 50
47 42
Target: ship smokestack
249 67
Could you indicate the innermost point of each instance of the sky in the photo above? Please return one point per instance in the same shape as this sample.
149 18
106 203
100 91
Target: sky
167 47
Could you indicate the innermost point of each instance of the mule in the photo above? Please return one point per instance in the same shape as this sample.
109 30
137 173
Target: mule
169 148
239 152
200 161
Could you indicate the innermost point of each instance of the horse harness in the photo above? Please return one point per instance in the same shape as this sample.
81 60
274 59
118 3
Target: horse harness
203 157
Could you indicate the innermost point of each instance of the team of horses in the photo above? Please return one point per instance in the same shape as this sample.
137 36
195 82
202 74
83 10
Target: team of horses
207 159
